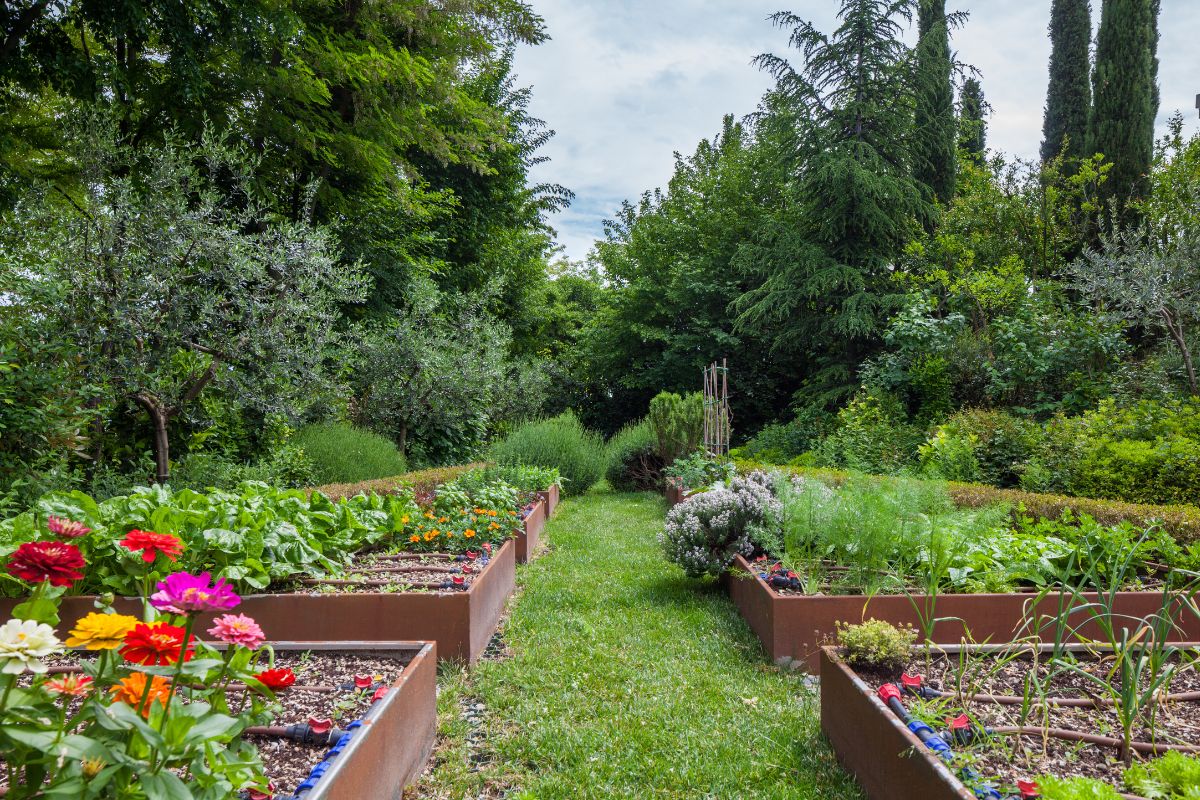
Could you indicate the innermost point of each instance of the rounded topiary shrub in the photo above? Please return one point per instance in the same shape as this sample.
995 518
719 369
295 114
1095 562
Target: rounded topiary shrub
342 453
633 461
561 442
707 531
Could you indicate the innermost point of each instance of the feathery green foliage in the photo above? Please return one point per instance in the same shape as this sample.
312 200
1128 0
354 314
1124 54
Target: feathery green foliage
1069 97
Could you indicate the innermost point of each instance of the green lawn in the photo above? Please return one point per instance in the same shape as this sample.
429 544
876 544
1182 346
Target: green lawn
628 680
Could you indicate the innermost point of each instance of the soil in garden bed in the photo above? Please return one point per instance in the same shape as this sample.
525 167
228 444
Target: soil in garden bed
400 572
288 763
1005 758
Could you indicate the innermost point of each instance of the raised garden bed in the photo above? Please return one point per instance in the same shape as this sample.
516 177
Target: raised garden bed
550 497
460 622
793 627
529 539
971 727
676 492
391 743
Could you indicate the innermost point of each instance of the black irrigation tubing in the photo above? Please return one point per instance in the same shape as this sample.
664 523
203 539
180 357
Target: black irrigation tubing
1154 748
352 582
414 568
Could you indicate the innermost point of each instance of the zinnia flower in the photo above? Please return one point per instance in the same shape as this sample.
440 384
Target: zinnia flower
183 593
130 690
237 629
72 684
151 544
66 529
276 679
101 631
23 643
155 644
56 562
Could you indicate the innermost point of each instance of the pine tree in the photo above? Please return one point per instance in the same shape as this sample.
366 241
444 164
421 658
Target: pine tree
1069 96
1125 97
972 126
934 144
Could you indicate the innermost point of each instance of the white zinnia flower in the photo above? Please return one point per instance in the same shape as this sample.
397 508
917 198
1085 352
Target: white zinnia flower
23 643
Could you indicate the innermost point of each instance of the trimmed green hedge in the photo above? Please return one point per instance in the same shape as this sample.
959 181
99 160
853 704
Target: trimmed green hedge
420 481
1181 521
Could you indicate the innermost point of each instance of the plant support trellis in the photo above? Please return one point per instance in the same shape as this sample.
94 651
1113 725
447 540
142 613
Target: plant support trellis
718 420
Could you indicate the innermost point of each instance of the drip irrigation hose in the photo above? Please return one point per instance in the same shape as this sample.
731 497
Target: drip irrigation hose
1154 748
927 693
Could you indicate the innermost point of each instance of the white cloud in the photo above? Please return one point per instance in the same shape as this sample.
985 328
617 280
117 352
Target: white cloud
626 83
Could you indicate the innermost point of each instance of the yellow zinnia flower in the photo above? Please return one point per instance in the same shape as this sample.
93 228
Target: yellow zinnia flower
101 631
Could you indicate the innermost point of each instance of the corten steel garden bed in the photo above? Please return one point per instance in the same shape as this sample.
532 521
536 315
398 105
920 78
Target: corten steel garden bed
793 628
871 742
530 537
676 492
397 734
550 497
460 622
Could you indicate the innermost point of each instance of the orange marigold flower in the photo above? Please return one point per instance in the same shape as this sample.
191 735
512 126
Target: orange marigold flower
492 512
130 690
430 535
429 515
443 519
414 538
470 534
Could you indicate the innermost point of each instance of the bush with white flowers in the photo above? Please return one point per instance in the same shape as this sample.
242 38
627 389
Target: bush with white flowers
707 531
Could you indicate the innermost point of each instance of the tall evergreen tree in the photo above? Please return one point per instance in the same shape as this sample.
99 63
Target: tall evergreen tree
972 125
1125 96
934 144
1069 96
823 259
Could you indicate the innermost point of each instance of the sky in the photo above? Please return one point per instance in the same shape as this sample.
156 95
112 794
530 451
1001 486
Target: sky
627 83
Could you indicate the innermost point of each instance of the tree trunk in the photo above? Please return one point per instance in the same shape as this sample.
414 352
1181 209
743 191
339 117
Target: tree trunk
1180 337
403 443
159 417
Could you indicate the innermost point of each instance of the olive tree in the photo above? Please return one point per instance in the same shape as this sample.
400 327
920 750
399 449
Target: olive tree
1149 274
177 277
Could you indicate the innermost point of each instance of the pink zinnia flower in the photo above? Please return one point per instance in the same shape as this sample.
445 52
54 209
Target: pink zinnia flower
66 529
184 593
237 629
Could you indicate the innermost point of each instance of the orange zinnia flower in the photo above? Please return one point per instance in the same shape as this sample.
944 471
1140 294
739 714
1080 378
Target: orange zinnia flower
130 690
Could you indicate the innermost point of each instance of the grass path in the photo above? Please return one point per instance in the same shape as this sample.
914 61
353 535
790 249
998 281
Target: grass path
627 680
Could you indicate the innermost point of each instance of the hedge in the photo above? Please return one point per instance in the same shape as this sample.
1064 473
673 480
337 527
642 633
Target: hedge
1181 521
421 481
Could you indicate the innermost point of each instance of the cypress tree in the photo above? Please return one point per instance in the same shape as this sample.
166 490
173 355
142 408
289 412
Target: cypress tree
972 127
1125 96
935 145
1069 96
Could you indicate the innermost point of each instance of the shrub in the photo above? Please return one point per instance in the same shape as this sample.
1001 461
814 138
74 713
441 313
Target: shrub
678 423
561 442
342 453
700 470
781 443
633 461
871 436
707 531
999 445
876 645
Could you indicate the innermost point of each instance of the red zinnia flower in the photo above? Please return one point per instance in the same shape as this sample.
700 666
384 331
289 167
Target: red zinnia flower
276 679
157 644
151 544
56 562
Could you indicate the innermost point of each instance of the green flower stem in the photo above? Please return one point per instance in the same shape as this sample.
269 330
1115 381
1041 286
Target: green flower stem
187 637
9 683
